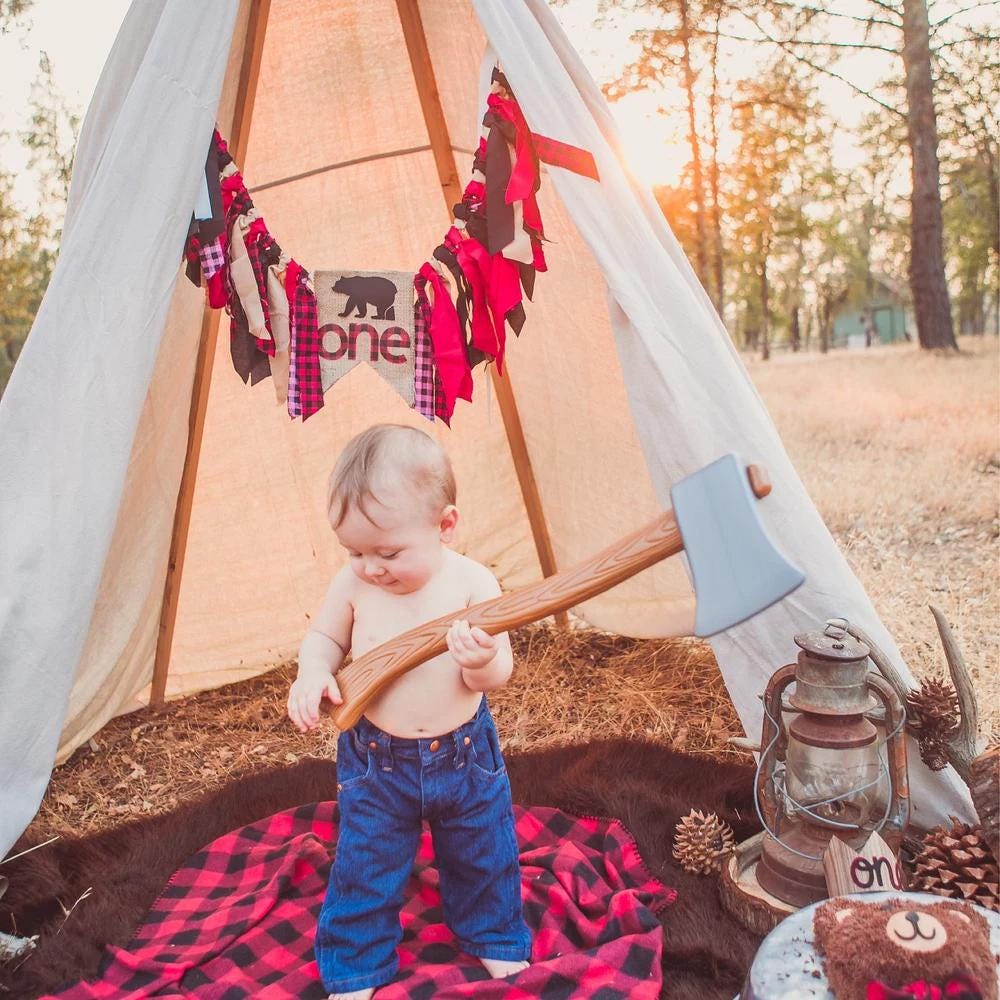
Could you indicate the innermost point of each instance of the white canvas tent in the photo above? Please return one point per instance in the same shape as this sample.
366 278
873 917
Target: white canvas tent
124 426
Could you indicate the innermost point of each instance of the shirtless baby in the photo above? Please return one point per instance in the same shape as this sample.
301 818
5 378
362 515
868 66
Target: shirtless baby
427 748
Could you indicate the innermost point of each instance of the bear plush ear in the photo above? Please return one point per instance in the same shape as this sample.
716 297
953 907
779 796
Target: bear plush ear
955 910
827 920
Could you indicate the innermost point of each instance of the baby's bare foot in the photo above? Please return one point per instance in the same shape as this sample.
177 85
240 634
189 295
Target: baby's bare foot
353 995
498 968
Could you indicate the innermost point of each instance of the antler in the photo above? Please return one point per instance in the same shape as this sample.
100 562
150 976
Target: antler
963 747
882 662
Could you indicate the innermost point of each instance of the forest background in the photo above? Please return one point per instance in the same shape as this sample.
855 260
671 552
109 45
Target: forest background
748 122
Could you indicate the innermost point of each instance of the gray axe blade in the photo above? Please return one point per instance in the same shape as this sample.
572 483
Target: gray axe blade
737 569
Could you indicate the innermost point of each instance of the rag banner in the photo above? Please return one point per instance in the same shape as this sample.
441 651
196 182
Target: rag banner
366 316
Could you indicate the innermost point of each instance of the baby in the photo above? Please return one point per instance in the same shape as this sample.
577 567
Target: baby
427 748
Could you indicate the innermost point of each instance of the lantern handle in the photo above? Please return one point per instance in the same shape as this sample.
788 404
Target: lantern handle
895 727
772 738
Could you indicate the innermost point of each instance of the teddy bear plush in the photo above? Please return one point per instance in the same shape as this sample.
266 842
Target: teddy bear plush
900 949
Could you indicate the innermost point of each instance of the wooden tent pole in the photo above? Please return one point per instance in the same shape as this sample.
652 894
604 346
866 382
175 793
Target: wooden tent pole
451 190
246 92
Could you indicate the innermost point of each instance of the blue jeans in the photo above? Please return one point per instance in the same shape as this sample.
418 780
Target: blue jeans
387 787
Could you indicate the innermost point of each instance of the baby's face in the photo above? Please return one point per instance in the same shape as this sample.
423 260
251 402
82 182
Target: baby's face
398 547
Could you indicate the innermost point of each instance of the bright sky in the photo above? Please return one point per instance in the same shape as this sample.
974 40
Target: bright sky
78 36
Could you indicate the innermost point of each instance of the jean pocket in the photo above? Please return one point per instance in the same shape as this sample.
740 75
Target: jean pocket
486 759
355 762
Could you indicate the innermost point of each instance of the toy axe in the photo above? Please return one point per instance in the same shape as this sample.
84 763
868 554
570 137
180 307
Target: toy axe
737 572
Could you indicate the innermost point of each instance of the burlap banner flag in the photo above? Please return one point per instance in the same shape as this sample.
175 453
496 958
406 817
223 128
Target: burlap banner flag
368 317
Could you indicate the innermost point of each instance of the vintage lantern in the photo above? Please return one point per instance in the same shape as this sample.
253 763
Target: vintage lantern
831 763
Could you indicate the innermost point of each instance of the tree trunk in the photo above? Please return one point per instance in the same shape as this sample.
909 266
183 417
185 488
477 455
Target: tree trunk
867 316
795 331
765 311
718 267
989 158
824 323
928 286
697 180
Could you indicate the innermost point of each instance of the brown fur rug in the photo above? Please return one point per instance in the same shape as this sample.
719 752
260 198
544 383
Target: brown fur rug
649 788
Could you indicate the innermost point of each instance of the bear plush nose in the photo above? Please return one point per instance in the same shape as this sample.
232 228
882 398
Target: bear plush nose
916 931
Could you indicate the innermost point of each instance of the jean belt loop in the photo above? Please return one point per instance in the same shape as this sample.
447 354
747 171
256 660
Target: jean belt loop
385 751
463 743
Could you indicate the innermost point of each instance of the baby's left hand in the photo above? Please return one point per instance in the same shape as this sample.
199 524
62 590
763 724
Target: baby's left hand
472 648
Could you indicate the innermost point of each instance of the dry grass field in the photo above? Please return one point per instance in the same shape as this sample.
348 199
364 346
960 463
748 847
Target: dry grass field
901 453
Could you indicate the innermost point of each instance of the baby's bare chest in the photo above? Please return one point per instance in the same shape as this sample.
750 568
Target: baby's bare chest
379 617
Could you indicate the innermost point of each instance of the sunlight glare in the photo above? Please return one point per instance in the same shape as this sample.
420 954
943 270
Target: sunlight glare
653 132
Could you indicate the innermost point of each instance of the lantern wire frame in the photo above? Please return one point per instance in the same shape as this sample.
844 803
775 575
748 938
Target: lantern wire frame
785 797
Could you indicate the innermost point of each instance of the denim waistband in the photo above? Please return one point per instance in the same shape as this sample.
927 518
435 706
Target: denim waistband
366 733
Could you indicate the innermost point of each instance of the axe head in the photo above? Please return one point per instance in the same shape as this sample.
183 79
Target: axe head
736 568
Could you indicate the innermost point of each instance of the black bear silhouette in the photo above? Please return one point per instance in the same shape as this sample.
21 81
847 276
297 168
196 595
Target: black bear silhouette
362 291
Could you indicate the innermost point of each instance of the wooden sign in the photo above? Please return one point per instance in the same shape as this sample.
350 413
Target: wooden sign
872 869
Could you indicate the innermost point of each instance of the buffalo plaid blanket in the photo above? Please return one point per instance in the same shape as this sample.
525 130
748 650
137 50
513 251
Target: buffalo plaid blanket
238 919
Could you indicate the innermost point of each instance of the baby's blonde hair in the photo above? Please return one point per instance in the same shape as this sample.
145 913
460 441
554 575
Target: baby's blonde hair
386 455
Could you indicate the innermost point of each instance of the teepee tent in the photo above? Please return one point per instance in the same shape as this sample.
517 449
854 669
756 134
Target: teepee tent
130 451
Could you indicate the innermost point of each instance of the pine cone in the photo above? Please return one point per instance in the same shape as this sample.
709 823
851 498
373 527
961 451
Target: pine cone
701 842
959 864
932 716
933 752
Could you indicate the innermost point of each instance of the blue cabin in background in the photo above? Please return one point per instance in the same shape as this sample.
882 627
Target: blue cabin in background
882 317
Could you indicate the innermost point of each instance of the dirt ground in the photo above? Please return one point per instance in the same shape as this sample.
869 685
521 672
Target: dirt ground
901 453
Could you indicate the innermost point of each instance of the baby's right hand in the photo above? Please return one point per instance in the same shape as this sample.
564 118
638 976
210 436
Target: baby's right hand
306 694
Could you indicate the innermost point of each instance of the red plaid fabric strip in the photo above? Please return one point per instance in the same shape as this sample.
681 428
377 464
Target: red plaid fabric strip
257 239
440 400
561 154
238 919
424 383
442 409
308 383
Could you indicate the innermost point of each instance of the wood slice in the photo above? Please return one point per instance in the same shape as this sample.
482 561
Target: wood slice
742 896
985 789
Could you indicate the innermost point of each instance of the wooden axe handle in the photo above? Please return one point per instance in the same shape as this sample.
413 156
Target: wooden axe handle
365 678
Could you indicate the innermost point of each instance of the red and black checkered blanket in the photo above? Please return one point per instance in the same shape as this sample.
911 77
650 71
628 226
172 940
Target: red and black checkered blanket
238 919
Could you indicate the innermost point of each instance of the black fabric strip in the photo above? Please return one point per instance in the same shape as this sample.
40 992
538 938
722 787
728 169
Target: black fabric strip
527 278
515 318
499 215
